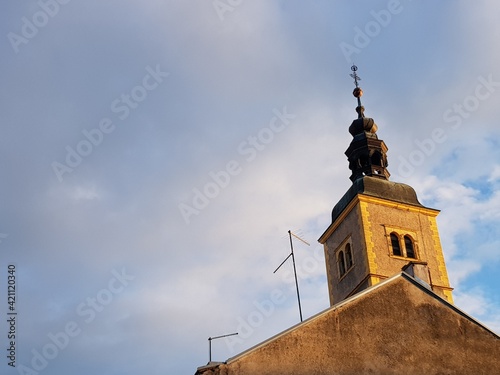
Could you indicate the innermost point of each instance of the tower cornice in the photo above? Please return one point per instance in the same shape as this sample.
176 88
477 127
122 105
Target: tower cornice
432 212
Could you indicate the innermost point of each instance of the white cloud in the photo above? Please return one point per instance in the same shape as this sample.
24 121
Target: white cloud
467 215
495 174
478 305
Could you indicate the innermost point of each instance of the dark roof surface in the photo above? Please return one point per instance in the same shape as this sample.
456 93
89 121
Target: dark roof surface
380 188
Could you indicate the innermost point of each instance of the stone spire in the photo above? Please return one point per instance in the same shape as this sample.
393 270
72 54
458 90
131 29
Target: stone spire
366 153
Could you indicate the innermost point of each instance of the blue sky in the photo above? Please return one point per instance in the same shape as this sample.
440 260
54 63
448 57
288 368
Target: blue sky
154 155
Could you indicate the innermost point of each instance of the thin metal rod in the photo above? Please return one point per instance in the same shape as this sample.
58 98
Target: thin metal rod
297 237
295 273
289 255
210 344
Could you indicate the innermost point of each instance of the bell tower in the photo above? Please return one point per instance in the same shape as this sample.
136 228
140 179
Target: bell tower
366 153
379 228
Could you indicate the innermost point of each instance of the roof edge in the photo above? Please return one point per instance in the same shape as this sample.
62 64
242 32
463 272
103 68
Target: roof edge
208 366
402 274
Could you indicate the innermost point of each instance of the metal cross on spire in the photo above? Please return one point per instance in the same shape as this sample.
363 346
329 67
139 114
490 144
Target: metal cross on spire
358 93
354 75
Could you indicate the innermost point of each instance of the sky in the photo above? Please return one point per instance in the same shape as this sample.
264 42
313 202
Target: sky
154 155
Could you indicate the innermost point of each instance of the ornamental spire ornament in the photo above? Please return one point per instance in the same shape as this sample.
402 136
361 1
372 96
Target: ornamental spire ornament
357 92
366 153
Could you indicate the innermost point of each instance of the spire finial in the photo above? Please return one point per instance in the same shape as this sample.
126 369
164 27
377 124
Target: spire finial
354 75
358 92
366 153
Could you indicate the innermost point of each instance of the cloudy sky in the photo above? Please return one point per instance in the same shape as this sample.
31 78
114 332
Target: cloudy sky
155 153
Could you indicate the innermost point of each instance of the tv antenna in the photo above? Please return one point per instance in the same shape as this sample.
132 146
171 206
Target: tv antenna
210 344
290 234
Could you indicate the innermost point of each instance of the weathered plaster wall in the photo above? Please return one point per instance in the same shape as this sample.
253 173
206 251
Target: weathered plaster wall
397 328
350 226
427 242
369 221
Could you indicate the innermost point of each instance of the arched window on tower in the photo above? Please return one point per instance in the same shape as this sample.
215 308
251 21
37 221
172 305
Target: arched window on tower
341 262
410 251
364 160
377 159
348 256
396 249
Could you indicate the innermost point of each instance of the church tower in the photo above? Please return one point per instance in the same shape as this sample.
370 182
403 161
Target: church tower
379 227
385 266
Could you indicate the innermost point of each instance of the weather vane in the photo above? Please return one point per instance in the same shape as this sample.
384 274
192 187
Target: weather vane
354 75
358 93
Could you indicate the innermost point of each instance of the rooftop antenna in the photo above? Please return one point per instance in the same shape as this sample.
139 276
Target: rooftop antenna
290 234
210 344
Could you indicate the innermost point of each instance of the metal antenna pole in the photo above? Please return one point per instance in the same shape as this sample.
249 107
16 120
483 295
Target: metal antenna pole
295 273
210 344
209 349
290 234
